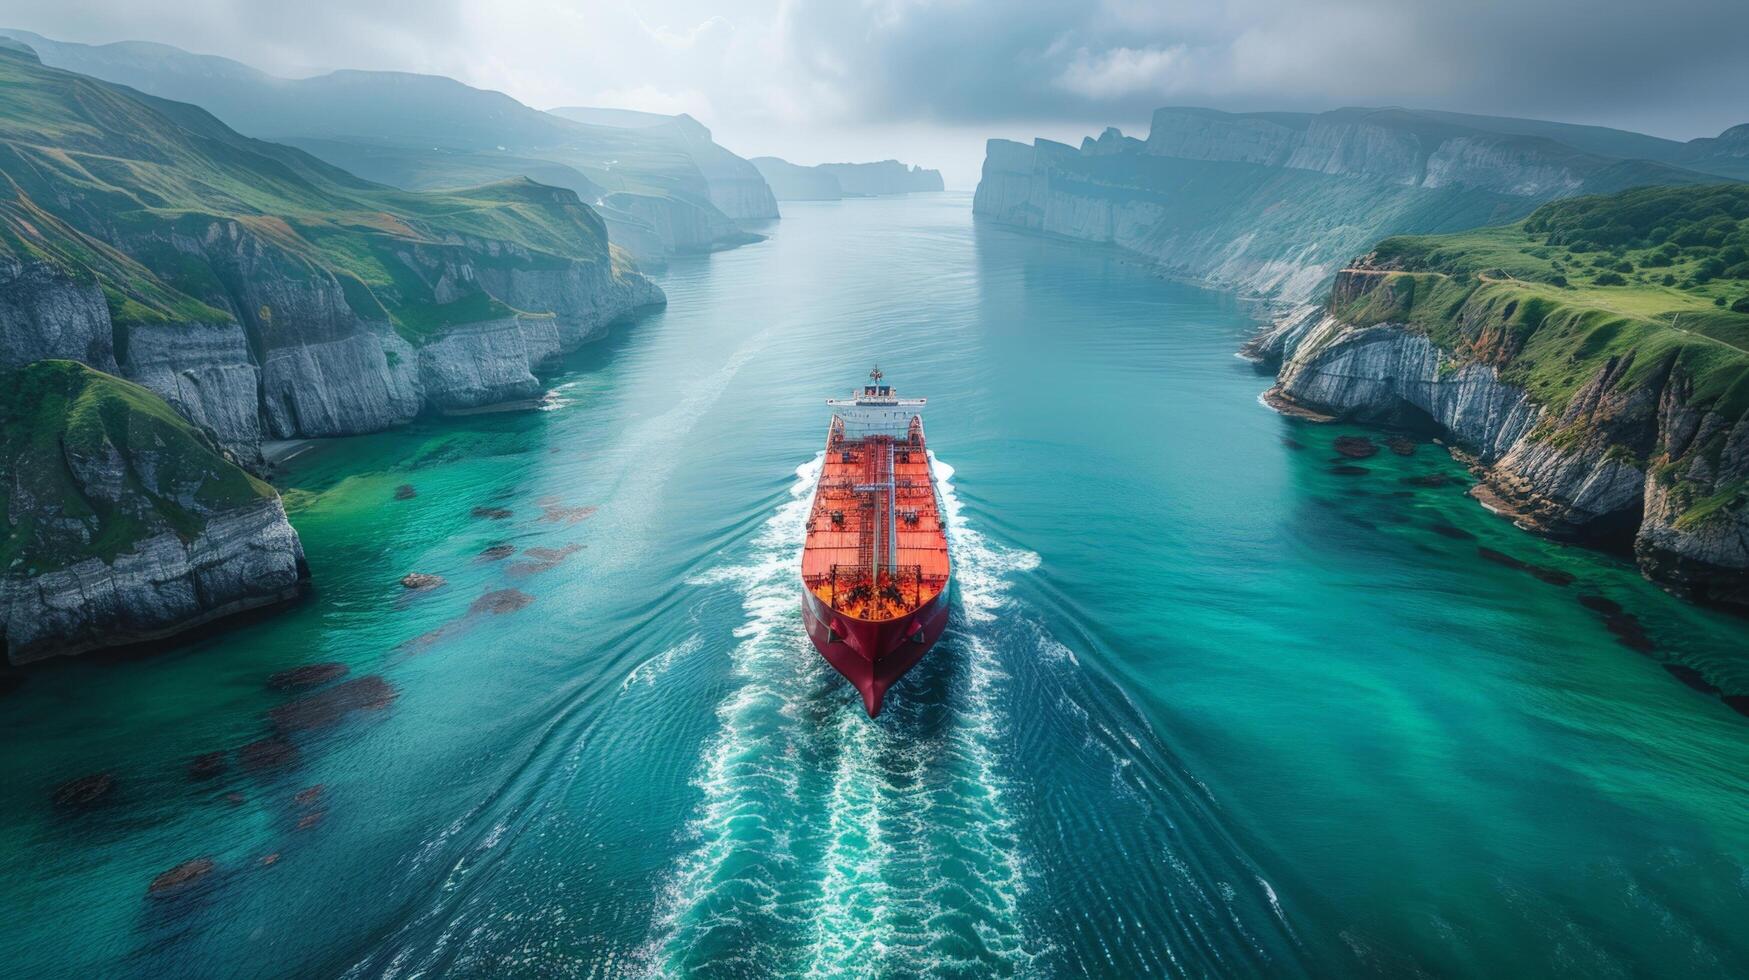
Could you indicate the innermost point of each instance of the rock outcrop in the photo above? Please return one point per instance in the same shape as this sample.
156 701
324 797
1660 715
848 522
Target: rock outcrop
45 313
832 181
124 523
241 559
1618 464
1273 204
298 361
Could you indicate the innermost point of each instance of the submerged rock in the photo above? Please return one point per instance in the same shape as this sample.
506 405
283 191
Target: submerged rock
272 752
1445 530
1402 445
329 707
497 551
1429 480
542 559
84 791
309 794
419 581
1599 604
1691 677
1553 576
1345 469
180 877
500 601
309 675
555 511
1292 443
207 765
1628 632
492 513
405 492
1355 447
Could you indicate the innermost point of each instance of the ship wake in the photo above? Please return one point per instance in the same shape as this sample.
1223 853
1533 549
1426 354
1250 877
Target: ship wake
825 844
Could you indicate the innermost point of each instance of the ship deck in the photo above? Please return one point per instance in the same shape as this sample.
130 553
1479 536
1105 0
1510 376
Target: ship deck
845 561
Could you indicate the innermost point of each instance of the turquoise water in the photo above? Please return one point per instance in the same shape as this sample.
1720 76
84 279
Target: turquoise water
1206 705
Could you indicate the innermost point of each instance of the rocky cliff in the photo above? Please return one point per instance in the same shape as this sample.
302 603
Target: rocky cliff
832 181
1646 445
791 182
882 177
351 309
1272 204
122 522
736 186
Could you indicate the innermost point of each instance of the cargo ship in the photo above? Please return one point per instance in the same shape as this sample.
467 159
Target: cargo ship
875 569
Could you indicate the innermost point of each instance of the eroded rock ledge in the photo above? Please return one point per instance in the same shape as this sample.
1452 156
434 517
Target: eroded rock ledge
1617 465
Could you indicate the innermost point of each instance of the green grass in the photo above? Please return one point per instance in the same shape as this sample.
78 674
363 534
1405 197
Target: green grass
1525 297
146 195
54 413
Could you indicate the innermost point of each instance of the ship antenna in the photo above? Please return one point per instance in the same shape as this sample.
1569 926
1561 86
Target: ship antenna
875 375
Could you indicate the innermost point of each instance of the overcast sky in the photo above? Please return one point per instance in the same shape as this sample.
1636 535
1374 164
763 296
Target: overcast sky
928 80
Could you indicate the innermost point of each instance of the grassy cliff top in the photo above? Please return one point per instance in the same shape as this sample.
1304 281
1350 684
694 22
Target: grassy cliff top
1661 274
84 163
95 464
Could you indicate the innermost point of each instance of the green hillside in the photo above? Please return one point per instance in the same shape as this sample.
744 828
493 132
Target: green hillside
1660 273
420 132
103 464
110 183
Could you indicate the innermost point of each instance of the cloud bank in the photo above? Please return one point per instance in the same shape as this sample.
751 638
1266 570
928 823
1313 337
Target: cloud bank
766 70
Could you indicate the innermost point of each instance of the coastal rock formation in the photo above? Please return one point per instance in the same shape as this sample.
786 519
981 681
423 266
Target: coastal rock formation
124 523
1621 463
1274 203
832 181
44 313
351 311
882 177
206 372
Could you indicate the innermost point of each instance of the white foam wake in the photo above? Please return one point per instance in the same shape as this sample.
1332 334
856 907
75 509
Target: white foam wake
748 770
912 832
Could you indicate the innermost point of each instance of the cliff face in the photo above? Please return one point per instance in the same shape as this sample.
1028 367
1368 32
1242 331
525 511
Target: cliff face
1619 462
44 313
1273 203
736 186
264 294
242 559
791 182
882 177
298 361
832 181
123 522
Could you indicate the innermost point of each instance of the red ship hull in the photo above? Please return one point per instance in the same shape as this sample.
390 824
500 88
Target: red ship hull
875 566
873 655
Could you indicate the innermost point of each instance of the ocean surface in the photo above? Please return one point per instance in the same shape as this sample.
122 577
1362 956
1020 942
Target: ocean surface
1212 702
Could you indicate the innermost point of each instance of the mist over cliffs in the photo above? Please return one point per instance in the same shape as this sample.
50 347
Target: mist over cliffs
1272 204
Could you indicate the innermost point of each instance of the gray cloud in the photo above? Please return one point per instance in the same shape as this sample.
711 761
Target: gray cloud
766 72
1678 68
